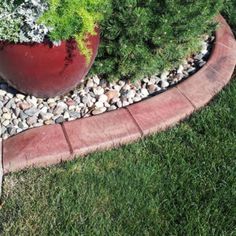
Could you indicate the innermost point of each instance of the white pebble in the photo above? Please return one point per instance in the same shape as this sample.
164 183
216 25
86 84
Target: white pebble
164 84
99 104
164 75
144 92
96 80
180 70
6 123
103 98
2 92
98 91
20 96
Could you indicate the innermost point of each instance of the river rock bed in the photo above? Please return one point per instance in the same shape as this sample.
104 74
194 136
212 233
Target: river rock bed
93 96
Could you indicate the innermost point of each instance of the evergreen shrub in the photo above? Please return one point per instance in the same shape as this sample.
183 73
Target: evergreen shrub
229 11
143 37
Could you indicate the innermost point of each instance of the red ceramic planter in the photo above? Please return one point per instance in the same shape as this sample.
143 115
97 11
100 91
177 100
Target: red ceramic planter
44 70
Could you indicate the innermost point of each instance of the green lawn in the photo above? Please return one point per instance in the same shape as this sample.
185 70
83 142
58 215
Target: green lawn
179 182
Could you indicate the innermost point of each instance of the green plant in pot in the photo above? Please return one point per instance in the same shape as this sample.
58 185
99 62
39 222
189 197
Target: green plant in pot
48 46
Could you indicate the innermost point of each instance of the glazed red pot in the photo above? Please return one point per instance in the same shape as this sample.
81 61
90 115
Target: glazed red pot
44 70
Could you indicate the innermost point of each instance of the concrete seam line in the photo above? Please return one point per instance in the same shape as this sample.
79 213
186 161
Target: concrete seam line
194 107
67 139
135 122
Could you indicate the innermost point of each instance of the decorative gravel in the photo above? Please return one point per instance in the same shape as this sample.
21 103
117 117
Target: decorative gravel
94 96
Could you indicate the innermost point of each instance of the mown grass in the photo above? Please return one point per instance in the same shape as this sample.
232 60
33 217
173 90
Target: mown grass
179 182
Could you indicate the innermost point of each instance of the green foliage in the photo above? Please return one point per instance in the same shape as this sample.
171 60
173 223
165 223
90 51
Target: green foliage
229 12
140 37
9 27
73 18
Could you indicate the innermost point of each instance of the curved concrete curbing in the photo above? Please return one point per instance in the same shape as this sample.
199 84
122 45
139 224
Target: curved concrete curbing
56 143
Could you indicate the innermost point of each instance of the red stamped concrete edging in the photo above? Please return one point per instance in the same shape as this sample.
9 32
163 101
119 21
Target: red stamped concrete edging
52 144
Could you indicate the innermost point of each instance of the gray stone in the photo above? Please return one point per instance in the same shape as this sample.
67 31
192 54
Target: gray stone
60 120
23 116
44 109
45 116
9 104
11 130
21 125
199 56
201 63
58 110
15 122
75 114
3 129
31 120
191 70
103 83
4 86
32 112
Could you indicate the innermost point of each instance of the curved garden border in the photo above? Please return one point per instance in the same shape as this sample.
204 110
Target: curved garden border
56 143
